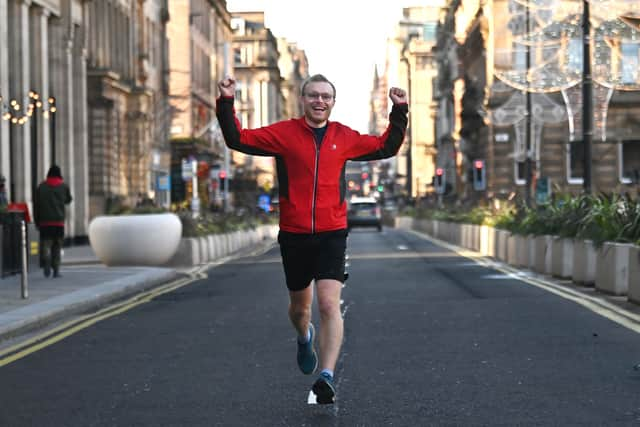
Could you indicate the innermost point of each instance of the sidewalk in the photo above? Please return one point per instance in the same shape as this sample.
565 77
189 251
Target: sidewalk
85 284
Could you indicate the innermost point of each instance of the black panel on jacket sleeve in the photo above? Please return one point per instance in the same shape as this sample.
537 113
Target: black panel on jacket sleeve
398 125
231 134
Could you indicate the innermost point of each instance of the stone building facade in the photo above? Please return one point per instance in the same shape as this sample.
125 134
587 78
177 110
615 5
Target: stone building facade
199 33
489 120
127 102
294 70
84 85
259 95
411 63
43 85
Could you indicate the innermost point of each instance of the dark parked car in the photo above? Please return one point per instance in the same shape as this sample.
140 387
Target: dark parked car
364 212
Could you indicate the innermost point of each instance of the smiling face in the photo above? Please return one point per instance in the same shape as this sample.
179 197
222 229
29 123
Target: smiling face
317 100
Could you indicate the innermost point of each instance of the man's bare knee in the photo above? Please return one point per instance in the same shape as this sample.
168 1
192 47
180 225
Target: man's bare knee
299 310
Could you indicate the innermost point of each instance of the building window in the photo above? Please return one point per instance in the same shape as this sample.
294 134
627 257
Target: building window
239 92
237 56
575 162
520 173
520 54
574 61
430 31
629 160
630 62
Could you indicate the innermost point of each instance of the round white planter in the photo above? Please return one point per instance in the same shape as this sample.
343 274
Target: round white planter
149 239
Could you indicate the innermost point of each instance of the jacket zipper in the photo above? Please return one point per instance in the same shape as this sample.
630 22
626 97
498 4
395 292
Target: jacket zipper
315 187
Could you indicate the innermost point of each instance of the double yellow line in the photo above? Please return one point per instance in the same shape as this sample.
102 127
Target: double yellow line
60 332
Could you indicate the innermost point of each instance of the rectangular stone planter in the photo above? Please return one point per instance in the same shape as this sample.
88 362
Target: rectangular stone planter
612 268
487 240
467 240
562 260
584 263
522 251
404 222
475 237
501 245
422 225
531 254
634 274
512 254
543 248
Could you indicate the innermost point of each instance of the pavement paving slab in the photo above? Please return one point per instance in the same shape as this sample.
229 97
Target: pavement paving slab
85 284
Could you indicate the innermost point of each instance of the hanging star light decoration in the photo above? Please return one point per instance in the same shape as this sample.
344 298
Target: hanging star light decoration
539 43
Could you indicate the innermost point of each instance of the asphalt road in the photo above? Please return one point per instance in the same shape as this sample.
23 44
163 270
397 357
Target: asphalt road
431 339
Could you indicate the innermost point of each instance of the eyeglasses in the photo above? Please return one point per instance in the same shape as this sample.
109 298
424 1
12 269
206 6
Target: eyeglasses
326 97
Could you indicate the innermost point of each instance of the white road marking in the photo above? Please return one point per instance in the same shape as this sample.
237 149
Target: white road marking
599 306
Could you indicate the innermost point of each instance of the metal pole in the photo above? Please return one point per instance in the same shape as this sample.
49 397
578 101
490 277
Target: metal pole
12 167
587 97
23 249
409 137
34 152
227 161
225 186
527 162
195 197
53 138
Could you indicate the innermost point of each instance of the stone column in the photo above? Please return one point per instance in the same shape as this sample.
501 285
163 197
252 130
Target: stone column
81 149
19 181
61 34
40 84
4 87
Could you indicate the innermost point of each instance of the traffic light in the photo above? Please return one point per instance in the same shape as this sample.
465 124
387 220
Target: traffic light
222 175
479 176
439 181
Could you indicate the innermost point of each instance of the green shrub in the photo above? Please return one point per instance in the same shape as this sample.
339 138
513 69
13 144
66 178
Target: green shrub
599 218
218 223
612 218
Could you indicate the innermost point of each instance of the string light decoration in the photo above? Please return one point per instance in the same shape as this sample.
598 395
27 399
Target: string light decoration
514 112
550 33
20 114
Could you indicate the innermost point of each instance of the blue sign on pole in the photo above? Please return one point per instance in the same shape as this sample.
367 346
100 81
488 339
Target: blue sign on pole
264 202
163 182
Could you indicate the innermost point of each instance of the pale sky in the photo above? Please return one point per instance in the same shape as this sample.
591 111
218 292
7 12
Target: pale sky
343 39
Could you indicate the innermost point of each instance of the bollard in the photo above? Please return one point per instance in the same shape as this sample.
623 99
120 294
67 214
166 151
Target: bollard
23 283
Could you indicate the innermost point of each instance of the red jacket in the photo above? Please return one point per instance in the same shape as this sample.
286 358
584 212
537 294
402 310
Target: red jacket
311 178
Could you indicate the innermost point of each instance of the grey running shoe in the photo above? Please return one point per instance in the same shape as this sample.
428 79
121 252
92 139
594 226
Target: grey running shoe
324 389
307 357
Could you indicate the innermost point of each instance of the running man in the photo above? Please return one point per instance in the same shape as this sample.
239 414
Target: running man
311 153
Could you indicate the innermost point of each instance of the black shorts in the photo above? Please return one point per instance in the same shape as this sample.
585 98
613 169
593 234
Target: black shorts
306 257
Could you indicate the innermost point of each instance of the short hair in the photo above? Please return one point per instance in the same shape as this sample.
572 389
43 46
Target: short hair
317 78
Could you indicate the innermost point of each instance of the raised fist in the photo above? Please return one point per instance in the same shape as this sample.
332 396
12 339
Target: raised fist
227 87
397 95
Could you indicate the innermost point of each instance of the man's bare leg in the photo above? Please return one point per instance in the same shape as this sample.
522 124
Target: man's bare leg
300 314
300 309
331 323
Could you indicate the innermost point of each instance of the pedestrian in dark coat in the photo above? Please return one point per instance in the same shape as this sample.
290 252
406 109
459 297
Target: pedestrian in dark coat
49 214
